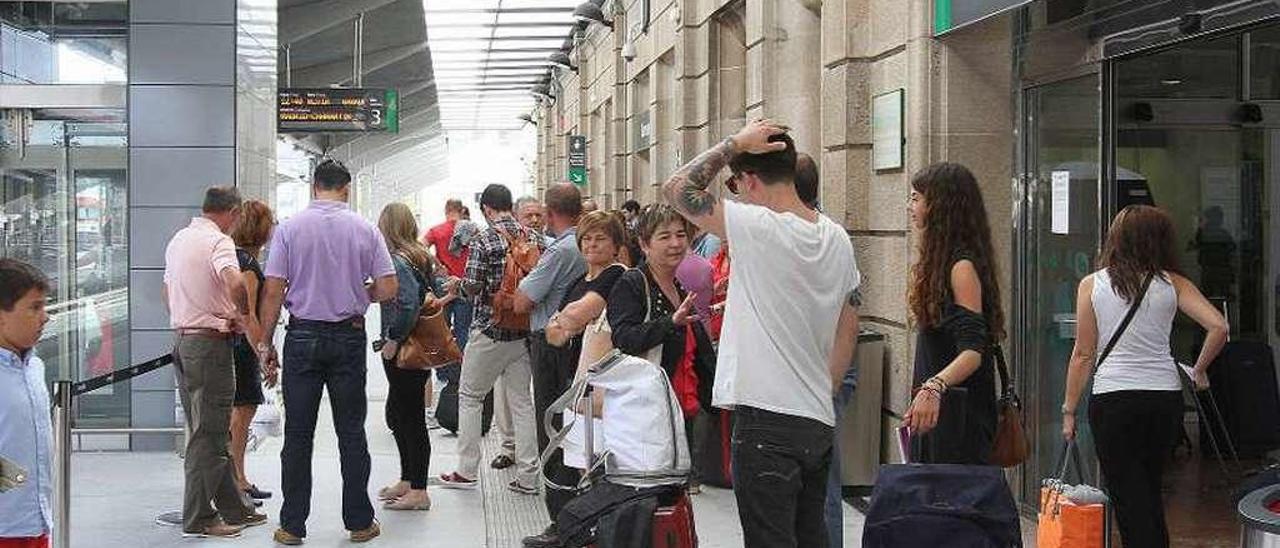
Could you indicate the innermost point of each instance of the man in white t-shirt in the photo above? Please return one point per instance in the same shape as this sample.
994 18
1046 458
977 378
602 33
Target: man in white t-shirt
790 326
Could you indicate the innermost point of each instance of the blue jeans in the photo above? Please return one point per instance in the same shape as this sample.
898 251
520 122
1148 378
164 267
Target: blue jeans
319 355
459 313
835 505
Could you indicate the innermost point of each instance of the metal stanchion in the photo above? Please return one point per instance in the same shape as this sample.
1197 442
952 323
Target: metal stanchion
62 464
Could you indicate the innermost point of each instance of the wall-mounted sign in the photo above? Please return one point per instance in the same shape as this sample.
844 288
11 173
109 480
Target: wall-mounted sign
642 130
949 15
578 159
1060 202
886 130
337 109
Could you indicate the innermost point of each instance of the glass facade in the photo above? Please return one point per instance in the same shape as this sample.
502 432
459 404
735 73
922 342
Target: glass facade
63 187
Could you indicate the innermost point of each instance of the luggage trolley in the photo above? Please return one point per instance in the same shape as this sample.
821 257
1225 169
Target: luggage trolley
673 525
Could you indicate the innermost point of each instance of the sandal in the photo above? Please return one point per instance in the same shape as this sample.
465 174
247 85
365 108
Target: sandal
392 492
404 505
502 461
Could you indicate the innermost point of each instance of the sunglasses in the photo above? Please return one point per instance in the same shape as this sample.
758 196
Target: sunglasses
732 183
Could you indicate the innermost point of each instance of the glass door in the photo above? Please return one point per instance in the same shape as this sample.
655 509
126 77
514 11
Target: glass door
63 208
1056 248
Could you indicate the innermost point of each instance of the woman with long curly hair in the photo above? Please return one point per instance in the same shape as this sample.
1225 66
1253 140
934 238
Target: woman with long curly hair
1136 405
955 300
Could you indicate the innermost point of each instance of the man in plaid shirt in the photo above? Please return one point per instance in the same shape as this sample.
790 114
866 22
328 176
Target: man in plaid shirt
494 352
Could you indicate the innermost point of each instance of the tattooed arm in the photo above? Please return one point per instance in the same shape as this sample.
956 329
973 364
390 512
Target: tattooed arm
686 190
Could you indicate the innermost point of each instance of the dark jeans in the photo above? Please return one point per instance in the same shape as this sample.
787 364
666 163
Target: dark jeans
780 467
552 376
459 312
835 485
319 355
1135 431
406 417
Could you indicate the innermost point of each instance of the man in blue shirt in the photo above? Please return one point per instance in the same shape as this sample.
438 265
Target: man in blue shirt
541 293
26 436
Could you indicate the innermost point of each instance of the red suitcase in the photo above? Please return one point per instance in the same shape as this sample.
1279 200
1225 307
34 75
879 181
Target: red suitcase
673 525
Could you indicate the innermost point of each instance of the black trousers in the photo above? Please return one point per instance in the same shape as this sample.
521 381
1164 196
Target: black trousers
780 466
553 370
1135 432
406 417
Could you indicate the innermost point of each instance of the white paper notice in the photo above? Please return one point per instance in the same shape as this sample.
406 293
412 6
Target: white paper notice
1061 203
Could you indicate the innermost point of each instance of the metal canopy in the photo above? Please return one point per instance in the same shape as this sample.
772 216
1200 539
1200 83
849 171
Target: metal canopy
489 53
317 39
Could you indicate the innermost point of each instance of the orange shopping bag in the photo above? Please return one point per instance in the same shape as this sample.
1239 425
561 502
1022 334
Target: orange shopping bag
1063 523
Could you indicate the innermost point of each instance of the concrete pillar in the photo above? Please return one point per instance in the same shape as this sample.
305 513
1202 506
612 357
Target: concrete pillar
182 139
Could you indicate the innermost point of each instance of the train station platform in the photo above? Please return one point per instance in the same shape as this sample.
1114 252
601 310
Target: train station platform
116 496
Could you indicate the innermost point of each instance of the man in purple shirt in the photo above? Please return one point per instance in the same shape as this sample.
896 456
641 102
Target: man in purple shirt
319 266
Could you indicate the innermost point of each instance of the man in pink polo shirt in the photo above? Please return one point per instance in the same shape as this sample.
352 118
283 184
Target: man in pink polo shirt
208 303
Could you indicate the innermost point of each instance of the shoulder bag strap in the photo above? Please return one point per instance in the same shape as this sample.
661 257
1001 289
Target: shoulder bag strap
1006 381
424 284
1124 324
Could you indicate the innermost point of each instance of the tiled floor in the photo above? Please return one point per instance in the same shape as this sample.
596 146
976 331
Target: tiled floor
117 496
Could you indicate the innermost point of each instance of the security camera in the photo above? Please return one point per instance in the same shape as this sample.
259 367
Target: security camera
628 50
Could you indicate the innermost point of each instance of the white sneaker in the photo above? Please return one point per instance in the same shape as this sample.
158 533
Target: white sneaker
432 423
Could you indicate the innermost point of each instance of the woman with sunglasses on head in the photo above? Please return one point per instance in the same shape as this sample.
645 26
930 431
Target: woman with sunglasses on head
1136 404
955 300
581 327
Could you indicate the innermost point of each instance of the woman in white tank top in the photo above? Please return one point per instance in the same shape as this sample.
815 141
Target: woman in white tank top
1136 407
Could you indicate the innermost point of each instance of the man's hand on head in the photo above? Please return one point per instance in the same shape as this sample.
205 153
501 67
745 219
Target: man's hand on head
753 138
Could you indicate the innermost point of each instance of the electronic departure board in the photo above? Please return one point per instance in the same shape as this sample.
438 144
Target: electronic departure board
337 109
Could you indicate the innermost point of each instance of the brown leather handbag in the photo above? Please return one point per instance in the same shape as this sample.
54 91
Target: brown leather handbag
1011 446
430 344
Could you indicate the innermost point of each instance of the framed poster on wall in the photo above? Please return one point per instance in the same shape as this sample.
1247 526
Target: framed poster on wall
886 130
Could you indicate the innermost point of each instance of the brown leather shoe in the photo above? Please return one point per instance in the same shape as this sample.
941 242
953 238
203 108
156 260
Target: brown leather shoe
286 538
215 530
252 520
367 534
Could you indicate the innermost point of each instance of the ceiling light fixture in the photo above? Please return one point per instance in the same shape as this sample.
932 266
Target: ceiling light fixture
588 12
561 59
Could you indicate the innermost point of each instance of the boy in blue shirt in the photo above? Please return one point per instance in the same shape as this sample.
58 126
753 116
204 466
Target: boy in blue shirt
26 435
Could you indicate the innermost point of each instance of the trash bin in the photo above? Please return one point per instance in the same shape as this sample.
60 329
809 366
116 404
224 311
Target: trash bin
859 421
1260 518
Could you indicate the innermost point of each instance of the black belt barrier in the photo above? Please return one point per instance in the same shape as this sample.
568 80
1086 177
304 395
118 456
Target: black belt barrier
119 375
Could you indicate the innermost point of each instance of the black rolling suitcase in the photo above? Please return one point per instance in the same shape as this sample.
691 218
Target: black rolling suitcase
1243 381
447 410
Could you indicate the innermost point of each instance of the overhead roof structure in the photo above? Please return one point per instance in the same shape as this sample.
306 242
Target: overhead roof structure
487 54
317 38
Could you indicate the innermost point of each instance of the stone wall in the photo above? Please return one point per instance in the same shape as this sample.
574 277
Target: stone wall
705 66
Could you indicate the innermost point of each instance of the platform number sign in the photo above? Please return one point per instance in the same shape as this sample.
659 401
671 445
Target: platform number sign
578 159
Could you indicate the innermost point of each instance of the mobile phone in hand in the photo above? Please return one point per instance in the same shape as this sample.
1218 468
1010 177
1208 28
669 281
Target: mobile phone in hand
12 476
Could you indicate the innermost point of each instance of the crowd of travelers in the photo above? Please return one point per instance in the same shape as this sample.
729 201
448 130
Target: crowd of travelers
737 287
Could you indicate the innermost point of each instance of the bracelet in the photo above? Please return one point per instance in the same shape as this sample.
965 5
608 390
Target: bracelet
929 389
1068 411
938 385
